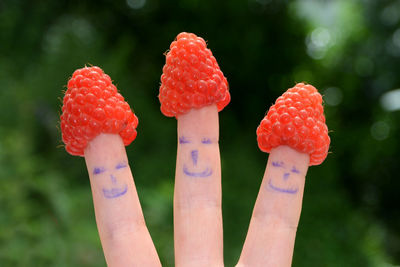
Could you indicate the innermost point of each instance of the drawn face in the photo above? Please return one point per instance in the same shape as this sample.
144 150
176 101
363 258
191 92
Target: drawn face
115 190
194 167
283 180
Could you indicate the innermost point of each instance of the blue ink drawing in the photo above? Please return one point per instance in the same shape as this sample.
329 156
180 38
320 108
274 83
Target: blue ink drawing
282 190
120 165
195 156
294 170
115 192
113 179
207 172
278 164
98 170
206 141
183 140
286 175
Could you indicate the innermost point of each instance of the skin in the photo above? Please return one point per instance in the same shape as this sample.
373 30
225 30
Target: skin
272 231
198 230
197 196
120 222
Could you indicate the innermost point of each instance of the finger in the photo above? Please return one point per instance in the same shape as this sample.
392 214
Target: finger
272 231
123 232
197 197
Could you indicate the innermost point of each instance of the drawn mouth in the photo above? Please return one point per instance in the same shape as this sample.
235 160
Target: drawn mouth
207 172
115 192
282 190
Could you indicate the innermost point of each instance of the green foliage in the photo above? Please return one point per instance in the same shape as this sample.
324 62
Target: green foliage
347 49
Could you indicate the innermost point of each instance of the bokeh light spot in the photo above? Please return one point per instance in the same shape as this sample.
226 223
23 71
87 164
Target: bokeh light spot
333 96
320 37
68 29
390 14
318 42
380 130
390 101
136 4
396 38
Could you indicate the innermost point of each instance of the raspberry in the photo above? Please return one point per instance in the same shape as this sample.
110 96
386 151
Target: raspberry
191 77
297 120
92 105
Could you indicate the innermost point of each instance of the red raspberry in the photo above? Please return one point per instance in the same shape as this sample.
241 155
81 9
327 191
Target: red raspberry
191 77
92 105
297 120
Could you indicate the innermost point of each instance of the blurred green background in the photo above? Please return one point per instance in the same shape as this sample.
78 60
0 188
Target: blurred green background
348 49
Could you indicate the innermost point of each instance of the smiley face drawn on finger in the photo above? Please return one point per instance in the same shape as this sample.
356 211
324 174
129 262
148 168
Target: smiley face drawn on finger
284 182
193 167
116 190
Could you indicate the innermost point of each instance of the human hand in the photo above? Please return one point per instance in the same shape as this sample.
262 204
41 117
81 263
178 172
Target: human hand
197 197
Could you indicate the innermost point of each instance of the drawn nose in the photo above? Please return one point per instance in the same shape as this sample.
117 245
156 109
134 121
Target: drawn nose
113 179
195 156
286 175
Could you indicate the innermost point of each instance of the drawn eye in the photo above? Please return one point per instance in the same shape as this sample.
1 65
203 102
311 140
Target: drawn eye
206 141
120 165
98 170
294 170
183 140
278 164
